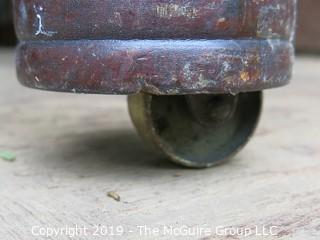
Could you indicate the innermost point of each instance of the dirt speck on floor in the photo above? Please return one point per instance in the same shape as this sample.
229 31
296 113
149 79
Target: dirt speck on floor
114 195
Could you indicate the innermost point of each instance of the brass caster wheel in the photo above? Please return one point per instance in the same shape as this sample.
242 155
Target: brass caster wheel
196 131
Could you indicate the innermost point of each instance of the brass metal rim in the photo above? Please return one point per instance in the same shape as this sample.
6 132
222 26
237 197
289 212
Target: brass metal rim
170 125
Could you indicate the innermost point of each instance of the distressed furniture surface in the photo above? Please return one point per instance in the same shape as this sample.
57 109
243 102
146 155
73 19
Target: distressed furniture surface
143 19
73 149
157 47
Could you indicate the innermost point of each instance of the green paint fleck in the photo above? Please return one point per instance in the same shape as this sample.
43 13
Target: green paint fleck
7 156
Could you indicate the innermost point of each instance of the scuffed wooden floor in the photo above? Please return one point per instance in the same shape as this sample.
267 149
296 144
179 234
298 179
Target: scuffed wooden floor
73 149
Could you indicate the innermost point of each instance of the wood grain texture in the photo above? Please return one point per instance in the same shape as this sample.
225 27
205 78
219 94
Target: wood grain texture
74 149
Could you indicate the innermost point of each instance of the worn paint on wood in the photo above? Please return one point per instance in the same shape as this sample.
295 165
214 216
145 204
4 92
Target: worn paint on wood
88 46
155 66
145 19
